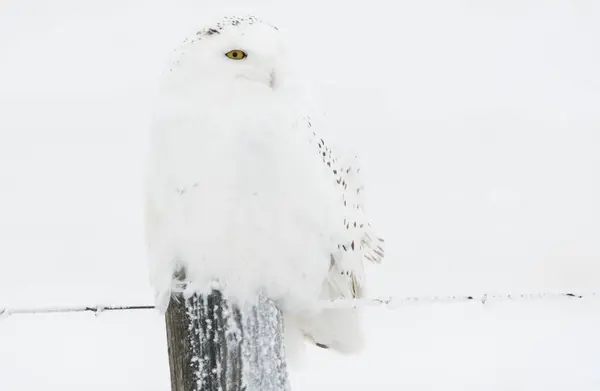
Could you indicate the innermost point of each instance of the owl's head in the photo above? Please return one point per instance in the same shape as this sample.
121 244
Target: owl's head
236 52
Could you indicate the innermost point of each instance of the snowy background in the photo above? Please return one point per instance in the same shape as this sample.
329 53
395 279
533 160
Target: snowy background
479 127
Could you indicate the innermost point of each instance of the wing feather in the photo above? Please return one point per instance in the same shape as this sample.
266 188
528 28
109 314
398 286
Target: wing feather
359 241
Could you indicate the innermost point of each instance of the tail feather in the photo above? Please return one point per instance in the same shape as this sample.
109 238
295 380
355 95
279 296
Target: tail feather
337 329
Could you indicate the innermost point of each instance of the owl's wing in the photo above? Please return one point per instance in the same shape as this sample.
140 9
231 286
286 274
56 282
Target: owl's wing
359 242
340 328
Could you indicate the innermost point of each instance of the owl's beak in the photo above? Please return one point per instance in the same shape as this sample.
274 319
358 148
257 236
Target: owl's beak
265 79
272 79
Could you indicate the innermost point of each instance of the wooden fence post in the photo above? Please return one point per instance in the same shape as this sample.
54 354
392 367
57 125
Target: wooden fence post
215 346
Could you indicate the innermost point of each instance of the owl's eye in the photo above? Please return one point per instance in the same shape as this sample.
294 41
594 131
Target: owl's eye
236 54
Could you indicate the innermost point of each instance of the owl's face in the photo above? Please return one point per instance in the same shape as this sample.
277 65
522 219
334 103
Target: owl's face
230 54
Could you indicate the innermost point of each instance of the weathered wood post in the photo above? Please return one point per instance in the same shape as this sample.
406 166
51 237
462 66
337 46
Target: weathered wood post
215 346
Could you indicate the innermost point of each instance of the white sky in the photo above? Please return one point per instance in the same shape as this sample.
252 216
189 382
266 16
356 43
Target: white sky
479 128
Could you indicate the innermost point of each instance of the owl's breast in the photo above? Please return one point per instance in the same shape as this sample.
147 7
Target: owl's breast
254 192
257 180
239 194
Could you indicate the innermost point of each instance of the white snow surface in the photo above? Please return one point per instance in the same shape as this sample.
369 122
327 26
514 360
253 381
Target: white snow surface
478 128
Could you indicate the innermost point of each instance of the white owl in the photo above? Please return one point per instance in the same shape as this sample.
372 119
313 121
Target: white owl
241 188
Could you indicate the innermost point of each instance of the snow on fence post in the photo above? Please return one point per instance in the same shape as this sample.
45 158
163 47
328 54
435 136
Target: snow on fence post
214 346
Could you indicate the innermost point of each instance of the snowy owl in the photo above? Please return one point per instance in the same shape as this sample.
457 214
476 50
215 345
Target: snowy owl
242 188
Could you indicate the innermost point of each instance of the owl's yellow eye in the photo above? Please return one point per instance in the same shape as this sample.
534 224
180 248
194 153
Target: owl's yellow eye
236 54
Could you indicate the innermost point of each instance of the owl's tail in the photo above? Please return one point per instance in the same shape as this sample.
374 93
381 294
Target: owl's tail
337 329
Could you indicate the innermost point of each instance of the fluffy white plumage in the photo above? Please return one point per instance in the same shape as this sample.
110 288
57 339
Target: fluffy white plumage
242 189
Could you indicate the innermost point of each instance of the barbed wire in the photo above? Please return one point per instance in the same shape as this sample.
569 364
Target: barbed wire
98 309
395 302
392 302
